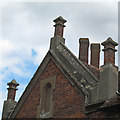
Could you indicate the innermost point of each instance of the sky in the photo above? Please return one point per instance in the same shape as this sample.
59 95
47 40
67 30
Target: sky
26 28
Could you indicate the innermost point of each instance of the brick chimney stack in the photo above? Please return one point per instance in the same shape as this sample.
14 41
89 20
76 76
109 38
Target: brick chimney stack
95 54
59 26
109 51
83 49
12 89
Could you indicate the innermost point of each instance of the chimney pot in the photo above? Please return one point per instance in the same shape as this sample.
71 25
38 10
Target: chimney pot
12 89
83 49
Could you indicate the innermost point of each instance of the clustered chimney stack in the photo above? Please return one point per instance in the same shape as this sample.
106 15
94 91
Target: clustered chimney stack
12 89
59 26
95 54
83 49
109 51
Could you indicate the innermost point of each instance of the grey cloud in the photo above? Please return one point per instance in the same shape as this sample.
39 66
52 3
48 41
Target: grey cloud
94 20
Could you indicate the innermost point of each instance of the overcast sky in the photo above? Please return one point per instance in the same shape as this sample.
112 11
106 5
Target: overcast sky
26 29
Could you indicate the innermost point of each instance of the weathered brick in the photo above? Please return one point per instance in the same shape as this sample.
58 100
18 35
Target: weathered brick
67 100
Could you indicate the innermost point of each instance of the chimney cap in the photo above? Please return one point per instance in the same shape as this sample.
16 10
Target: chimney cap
85 40
109 40
95 45
13 82
60 18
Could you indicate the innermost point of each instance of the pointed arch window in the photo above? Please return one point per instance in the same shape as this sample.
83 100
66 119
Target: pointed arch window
45 105
45 108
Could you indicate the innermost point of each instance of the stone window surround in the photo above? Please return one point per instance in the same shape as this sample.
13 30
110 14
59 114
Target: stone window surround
43 83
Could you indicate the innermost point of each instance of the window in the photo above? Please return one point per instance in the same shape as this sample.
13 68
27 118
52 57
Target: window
45 108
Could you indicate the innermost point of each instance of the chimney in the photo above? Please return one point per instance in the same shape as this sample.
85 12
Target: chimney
12 89
109 51
58 34
95 54
59 26
83 49
108 72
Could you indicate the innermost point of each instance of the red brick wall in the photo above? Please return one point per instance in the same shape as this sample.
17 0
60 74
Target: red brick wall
68 102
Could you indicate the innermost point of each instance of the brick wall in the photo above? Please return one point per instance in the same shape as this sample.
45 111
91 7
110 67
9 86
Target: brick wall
68 102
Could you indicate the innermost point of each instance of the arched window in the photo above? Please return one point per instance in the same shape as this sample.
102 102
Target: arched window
46 98
45 108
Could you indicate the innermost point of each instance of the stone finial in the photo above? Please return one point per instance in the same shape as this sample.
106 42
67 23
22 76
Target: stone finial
83 49
12 89
109 51
13 82
59 26
109 41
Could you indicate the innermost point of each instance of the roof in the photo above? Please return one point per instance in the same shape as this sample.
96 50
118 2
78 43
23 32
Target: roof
75 71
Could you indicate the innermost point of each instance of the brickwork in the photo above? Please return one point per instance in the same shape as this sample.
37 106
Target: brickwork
59 26
95 54
109 56
12 89
11 94
68 102
109 51
83 49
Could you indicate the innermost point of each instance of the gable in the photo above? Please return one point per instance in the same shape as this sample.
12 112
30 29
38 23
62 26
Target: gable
77 74
61 95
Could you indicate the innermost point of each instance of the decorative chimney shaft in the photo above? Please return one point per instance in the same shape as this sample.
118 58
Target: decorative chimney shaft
59 26
109 51
12 89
